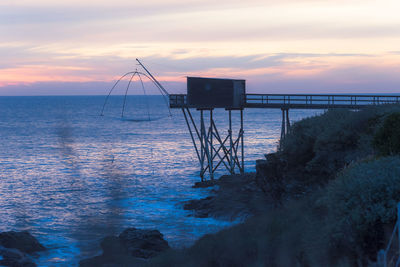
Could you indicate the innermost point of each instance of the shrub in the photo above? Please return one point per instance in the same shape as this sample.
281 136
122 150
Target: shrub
298 146
387 138
361 201
320 146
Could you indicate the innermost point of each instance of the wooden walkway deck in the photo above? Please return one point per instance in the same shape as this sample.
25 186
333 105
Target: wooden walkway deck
303 101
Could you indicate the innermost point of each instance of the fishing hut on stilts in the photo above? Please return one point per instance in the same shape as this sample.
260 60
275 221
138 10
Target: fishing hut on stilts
213 147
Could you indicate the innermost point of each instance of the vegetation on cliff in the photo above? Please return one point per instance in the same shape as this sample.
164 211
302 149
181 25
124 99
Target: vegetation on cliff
335 181
348 163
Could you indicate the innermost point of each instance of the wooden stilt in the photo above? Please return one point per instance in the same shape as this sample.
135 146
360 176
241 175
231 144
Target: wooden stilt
242 137
287 121
232 170
215 151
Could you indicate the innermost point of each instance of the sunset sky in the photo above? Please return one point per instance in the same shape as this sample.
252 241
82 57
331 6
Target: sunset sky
69 47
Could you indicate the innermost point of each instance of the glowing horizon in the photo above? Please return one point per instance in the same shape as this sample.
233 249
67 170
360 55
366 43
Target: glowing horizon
291 46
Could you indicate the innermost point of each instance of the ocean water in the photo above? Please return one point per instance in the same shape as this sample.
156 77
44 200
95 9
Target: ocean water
72 177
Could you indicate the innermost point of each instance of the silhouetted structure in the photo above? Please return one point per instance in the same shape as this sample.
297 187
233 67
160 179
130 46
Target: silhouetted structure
205 94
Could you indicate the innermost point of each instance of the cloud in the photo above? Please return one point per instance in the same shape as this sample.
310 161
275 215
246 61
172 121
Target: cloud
40 64
198 21
187 66
351 79
95 41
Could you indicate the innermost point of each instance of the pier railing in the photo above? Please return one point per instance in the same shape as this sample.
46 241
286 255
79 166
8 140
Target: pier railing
317 101
177 100
302 101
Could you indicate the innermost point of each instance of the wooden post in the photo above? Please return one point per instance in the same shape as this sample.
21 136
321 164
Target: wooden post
206 147
242 134
231 144
283 125
211 159
202 145
287 121
191 134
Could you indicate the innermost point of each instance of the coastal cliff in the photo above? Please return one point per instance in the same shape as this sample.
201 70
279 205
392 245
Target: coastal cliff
330 197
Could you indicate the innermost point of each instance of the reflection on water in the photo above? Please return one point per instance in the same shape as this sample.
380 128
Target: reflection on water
72 177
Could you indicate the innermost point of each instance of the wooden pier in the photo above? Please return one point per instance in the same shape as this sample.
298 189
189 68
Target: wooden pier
228 150
213 148
302 101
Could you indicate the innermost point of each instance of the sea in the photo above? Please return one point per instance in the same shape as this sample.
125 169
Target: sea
71 177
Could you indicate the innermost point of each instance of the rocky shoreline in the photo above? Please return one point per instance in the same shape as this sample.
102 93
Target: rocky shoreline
17 249
131 248
233 197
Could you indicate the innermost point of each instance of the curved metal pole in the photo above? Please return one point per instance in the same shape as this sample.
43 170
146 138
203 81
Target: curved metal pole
126 92
145 75
163 92
144 93
105 102
159 89
152 77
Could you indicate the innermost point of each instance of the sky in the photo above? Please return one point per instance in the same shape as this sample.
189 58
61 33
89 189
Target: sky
80 47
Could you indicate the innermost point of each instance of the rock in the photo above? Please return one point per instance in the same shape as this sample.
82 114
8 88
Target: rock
130 248
22 241
235 197
205 184
143 243
14 245
201 207
15 258
112 245
112 260
11 253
